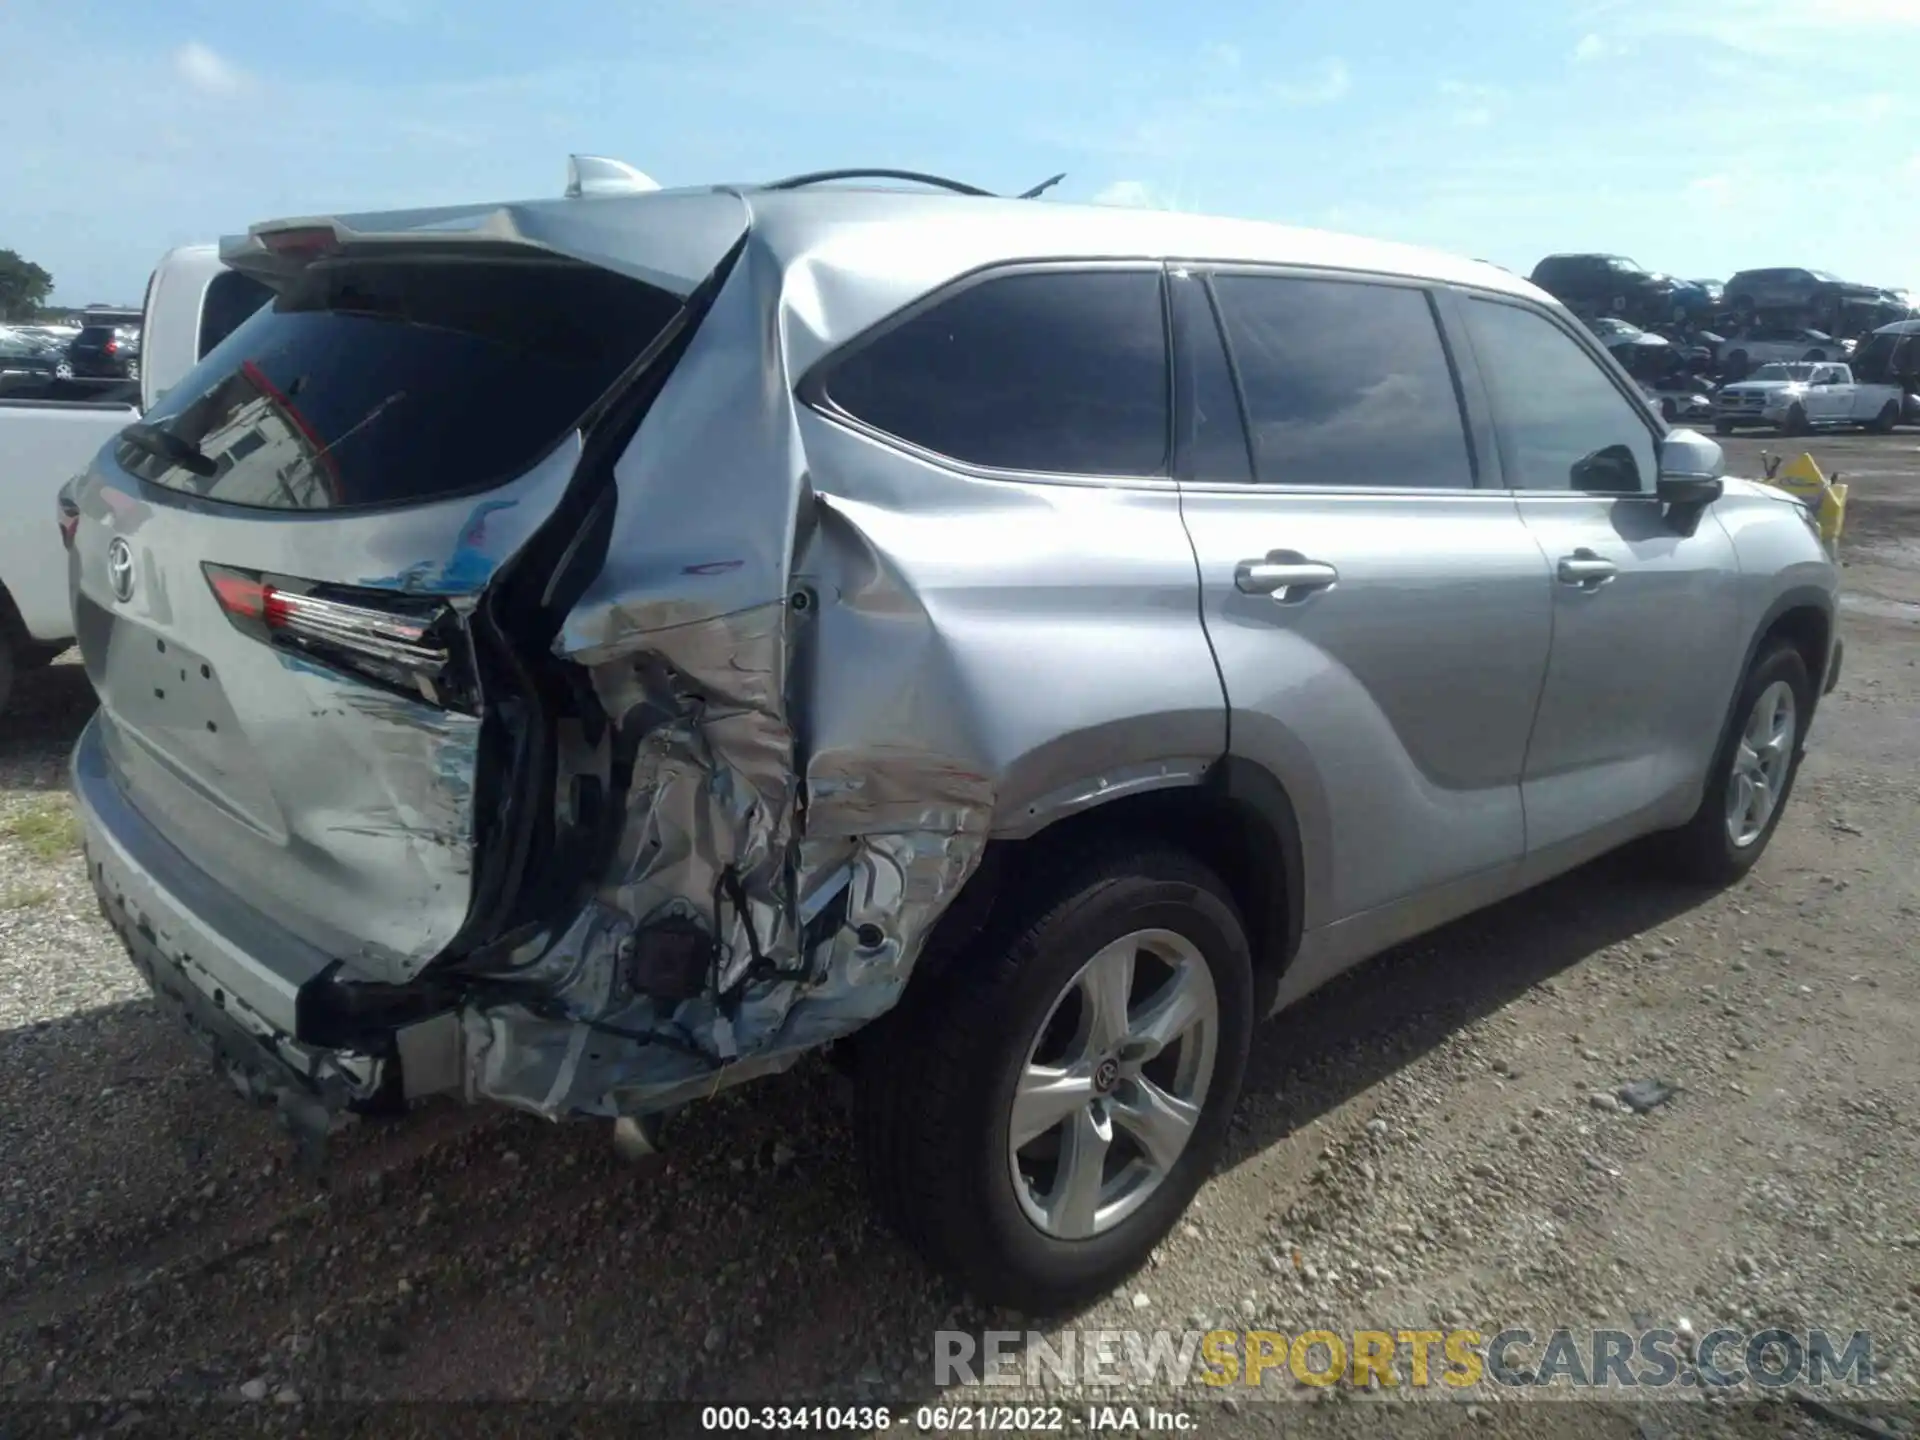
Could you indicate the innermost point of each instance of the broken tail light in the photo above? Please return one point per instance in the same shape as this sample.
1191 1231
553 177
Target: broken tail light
408 643
68 514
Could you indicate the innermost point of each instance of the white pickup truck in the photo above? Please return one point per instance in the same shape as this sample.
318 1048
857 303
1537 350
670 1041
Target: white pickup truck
1804 395
46 437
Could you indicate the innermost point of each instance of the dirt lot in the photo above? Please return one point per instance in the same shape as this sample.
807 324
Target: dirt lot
1429 1141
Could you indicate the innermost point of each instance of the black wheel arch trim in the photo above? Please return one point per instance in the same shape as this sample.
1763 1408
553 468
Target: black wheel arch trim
1800 597
1256 791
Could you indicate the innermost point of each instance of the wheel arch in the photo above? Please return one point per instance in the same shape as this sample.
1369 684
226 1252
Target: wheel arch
1235 817
1804 618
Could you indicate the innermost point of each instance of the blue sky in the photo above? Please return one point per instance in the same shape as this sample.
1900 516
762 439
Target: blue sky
1698 136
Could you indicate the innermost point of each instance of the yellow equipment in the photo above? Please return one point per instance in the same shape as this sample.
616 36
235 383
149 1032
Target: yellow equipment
1828 498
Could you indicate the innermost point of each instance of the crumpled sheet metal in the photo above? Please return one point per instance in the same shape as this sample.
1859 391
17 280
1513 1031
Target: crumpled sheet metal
889 837
818 876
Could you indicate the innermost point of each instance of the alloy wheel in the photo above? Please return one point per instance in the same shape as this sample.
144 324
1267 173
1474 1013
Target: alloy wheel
1760 764
1113 1084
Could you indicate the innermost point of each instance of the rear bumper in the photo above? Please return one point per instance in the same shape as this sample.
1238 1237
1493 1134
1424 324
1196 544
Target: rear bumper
232 976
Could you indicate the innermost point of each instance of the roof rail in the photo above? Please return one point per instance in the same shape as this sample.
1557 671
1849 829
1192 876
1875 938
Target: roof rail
821 177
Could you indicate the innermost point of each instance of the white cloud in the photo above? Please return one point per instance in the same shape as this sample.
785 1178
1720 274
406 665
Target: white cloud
1328 82
204 68
1593 47
1135 194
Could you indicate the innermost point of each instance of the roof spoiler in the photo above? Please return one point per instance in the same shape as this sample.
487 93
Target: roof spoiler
598 175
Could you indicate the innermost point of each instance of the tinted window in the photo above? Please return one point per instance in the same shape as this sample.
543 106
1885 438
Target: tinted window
231 297
1562 424
1064 373
1216 440
1345 384
379 383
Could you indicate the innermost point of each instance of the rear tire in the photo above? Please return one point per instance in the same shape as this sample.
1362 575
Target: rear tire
1888 417
941 1075
1796 421
1722 427
1706 848
6 672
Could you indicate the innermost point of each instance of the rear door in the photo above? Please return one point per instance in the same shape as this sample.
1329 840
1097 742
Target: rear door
1829 401
1381 622
275 574
1645 611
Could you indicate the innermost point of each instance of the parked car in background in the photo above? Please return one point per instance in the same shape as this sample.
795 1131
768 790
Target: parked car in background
54 337
1643 355
1691 301
1891 356
51 427
780 615
27 361
1770 344
1793 289
1611 329
106 350
1796 398
1698 350
1680 398
1605 284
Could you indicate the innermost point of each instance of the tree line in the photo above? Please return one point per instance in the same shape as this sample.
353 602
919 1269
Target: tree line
24 286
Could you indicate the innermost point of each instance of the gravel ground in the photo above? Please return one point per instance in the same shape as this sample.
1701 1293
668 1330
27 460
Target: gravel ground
1433 1140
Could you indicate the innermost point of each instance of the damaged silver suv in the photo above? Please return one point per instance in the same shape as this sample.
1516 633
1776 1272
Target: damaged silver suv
586 653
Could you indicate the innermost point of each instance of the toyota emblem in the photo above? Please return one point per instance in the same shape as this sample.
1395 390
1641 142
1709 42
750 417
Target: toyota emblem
120 569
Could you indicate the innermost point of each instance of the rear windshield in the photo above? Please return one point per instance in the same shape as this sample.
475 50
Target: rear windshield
389 383
231 297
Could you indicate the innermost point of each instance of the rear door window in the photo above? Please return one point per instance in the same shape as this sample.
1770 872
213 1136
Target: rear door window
1561 421
1058 372
387 383
1344 383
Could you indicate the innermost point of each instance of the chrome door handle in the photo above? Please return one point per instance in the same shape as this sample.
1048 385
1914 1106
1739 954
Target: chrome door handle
1283 574
1586 569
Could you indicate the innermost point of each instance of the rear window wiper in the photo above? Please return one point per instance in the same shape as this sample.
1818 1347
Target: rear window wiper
167 446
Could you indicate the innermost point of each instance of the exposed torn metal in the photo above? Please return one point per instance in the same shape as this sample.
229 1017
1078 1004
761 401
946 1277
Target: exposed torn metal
814 868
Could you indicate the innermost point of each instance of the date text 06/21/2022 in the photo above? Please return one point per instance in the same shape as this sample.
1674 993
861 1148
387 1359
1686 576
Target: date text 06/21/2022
951 1419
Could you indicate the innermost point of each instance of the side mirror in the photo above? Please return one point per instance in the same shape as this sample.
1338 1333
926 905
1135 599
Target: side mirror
1689 490
1691 467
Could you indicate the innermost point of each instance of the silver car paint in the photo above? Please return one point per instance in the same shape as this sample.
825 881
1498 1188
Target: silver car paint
333 816
852 666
